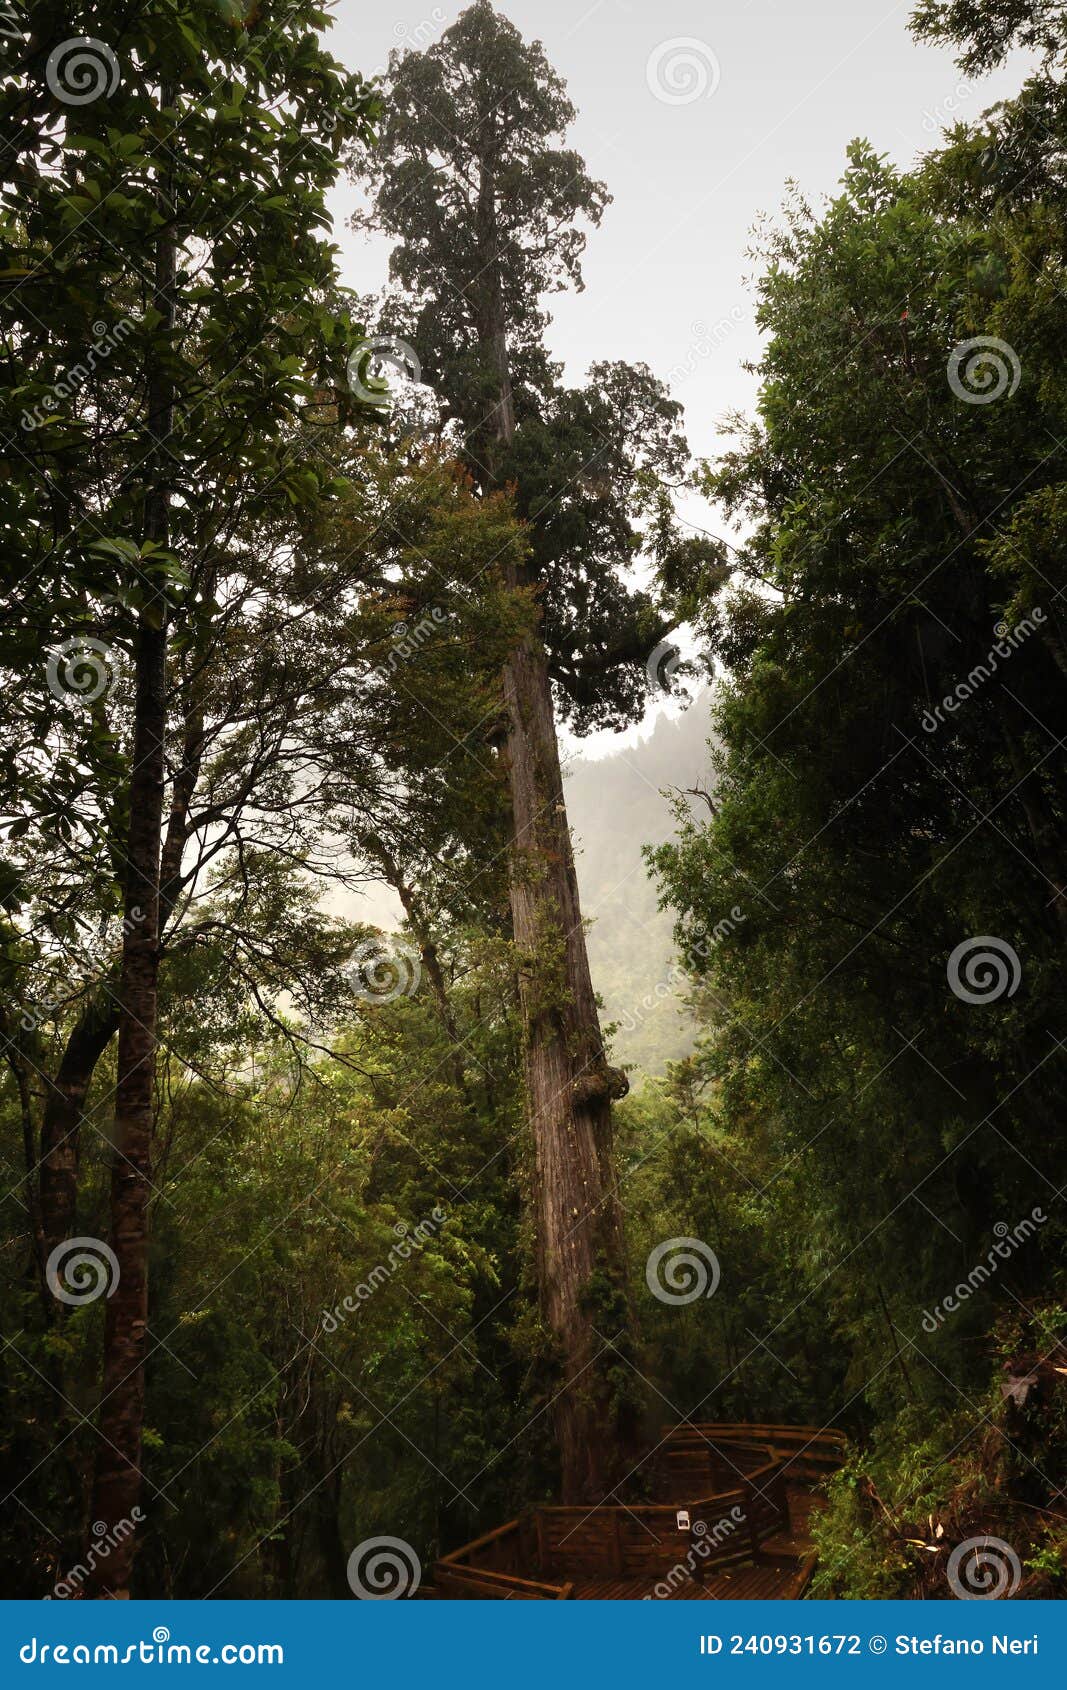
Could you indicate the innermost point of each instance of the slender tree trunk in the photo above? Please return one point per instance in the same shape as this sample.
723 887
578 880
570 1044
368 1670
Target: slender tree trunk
117 1478
569 1086
64 1107
21 1073
430 961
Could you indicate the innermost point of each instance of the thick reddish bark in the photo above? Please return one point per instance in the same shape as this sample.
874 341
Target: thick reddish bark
569 1087
569 1091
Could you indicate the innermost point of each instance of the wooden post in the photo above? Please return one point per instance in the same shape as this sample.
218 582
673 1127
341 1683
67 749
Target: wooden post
617 1543
696 1540
750 1515
782 1494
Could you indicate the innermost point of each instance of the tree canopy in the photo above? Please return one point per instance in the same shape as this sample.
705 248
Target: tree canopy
329 1217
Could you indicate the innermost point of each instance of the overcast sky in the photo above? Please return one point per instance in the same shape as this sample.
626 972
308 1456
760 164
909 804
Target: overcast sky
696 116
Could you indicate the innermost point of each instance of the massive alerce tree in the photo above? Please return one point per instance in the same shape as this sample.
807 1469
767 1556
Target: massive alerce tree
474 182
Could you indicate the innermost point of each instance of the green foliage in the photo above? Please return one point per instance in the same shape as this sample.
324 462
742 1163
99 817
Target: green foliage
344 1334
850 828
985 30
889 788
485 206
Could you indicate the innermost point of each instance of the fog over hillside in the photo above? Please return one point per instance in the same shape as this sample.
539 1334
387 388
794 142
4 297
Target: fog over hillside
616 805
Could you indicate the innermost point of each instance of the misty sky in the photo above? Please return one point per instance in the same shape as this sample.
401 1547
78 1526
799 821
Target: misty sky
786 86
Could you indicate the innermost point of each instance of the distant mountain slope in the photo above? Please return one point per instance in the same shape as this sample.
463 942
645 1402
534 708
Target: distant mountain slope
616 805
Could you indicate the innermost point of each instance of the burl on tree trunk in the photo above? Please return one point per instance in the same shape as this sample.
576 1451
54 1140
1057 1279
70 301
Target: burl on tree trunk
569 1094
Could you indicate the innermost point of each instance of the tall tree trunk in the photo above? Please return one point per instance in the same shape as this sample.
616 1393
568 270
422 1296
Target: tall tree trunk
569 1086
117 1477
569 1089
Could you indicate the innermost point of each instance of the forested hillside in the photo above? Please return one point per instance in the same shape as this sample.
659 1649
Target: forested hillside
338 1231
617 805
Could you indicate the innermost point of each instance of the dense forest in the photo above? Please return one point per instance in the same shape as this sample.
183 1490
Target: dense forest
318 1233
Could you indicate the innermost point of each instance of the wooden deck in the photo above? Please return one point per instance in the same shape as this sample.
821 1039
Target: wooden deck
748 1492
743 1584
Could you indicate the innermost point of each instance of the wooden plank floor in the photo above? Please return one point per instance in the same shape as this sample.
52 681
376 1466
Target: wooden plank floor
740 1584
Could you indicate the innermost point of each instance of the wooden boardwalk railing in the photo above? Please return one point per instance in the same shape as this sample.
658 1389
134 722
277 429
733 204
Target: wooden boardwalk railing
743 1488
